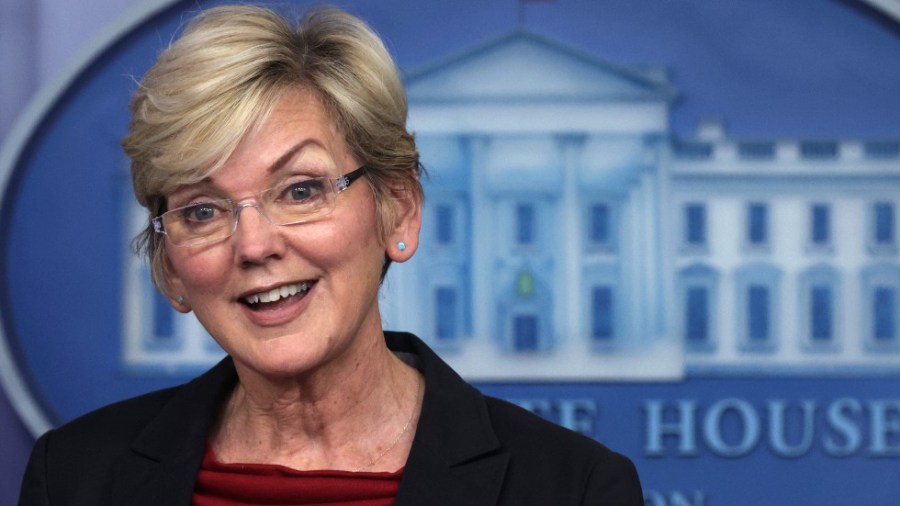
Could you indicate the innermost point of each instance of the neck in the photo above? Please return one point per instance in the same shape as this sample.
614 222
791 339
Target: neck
333 418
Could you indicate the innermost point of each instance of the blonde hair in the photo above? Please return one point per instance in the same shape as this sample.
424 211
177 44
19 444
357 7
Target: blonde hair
221 79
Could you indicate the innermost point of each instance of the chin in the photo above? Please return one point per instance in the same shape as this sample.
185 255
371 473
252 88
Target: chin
283 364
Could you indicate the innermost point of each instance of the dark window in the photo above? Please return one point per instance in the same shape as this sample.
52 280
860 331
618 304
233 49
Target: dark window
820 313
602 313
525 224
445 312
599 224
756 150
692 150
163 318
820 226
444 224
757 224
882 149
885 316
884 223
695 224
818 150
525 329
758 313
696 320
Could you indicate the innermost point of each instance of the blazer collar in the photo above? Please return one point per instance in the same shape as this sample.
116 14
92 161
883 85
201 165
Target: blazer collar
456 458
162 467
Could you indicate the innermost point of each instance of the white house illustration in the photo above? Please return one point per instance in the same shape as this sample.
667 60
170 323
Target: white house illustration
569 236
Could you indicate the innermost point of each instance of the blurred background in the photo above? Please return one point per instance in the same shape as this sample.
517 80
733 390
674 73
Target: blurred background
707 280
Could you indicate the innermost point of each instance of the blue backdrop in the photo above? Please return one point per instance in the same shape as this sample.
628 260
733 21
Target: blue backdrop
751 424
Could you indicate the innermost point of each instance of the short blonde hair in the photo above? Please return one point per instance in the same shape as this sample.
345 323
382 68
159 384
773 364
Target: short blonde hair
221 79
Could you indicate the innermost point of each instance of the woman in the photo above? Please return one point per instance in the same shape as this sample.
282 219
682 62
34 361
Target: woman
281 182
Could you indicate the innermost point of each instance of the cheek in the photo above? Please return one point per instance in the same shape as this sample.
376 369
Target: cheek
350 240
200 272
352 226
337 246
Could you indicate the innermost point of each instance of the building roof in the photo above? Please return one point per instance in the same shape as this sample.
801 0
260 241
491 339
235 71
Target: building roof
522 65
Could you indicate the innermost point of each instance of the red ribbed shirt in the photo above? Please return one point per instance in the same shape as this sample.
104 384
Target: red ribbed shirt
221 484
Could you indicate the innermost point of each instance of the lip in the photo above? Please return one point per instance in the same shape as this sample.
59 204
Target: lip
281 312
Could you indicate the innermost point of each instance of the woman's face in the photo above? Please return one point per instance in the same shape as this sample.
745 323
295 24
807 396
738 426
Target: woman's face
336 259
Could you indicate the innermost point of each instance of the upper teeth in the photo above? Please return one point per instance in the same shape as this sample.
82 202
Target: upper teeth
277 293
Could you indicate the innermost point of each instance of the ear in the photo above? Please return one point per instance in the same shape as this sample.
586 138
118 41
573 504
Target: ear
403 239
174 289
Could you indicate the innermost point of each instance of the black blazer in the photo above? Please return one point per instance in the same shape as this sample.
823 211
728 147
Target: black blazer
469 449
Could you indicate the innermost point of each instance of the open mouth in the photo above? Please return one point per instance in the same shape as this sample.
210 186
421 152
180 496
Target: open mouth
276 297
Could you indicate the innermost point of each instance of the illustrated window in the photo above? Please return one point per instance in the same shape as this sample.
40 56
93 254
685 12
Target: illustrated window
446 311
758 314
163 319
445 223
821 319
820 225
883 225
818 310
695 225
884 314
698 288
602 313
757 306
696 319
600 225
525 224
757 224
881 307
525 332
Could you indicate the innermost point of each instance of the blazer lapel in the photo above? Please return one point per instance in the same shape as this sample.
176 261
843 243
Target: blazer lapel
455 458
165 458
429 480
143 482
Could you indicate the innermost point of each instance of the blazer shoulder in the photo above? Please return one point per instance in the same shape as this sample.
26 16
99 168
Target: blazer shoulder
75 460
119 422
79 460
515 425
583 466
124 420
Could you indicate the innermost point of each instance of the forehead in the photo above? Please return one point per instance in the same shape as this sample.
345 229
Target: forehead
297 119
295 134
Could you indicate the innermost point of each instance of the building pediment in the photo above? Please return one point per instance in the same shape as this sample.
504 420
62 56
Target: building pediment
523 66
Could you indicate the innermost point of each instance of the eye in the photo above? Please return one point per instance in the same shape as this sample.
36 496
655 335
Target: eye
301 192
201 213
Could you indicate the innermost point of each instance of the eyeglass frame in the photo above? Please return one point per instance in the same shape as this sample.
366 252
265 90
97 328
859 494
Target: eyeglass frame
340 184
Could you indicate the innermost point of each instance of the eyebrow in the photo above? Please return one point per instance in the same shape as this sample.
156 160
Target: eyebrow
289 154
282 160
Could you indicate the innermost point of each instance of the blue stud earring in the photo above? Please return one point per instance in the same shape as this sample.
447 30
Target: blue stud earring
401 245
180 300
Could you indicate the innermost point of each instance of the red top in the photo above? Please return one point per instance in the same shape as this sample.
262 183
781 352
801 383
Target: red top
221 484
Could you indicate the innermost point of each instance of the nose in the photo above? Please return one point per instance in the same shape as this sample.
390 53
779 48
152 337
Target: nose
244 205
256 238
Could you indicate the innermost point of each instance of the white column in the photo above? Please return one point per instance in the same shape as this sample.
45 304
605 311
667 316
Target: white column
483 258
651 283
664 207
568 289
630 256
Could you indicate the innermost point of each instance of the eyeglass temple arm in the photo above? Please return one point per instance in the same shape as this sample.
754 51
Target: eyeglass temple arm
344 181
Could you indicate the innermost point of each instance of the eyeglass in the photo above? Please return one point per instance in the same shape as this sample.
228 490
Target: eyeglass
286 204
